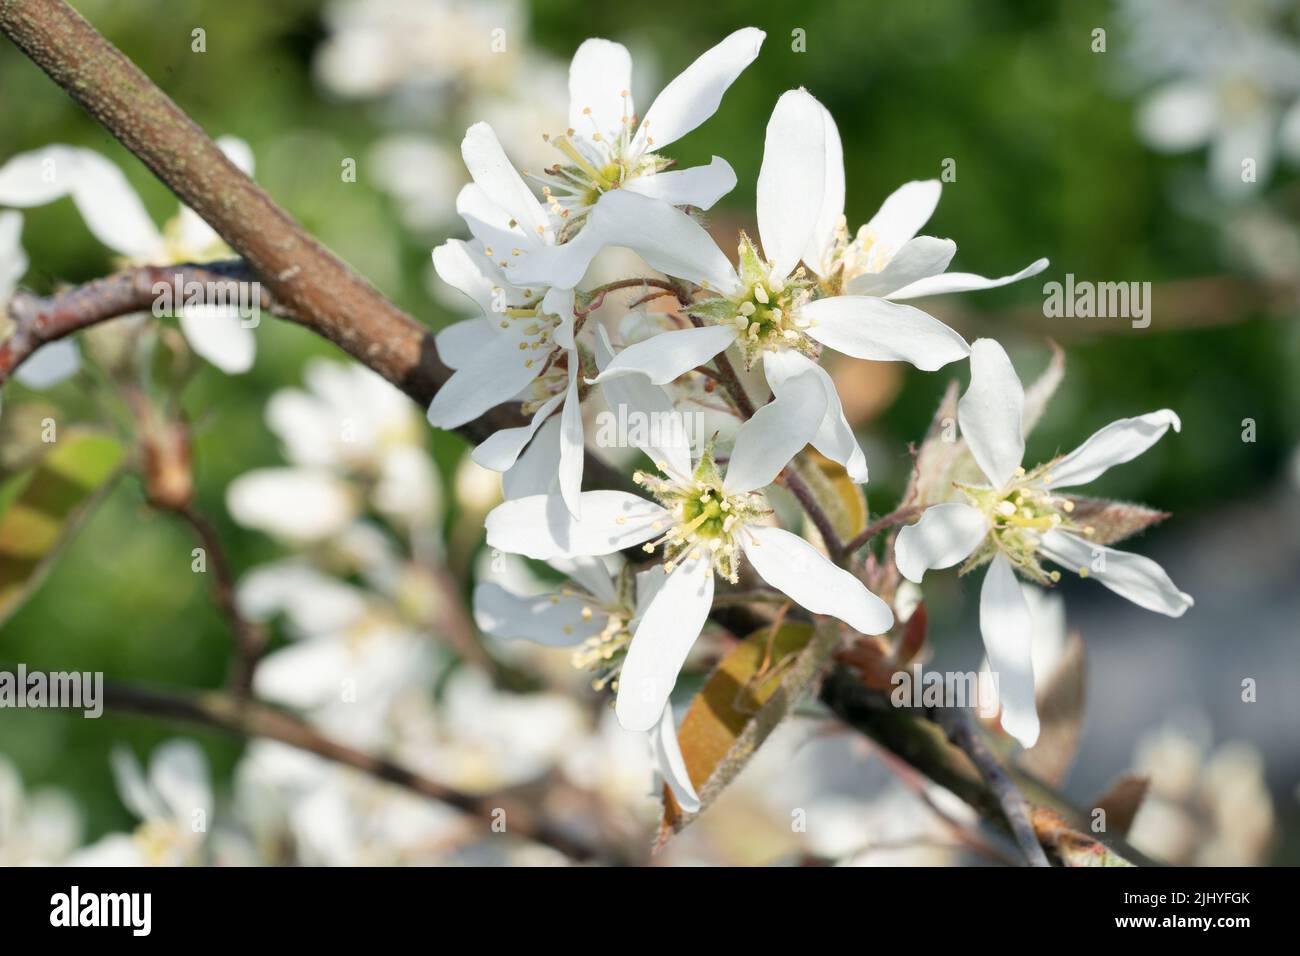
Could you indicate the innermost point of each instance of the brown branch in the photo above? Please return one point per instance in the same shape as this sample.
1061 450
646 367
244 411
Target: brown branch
922 744
40 320
957 724
310 281
253 719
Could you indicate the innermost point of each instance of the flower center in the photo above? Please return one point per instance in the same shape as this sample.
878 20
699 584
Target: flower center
768 308
864 254
1019 515
707 522
595 162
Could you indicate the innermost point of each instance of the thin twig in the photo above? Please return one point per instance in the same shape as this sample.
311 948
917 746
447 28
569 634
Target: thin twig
830 537
255 719
897 516
957 724
250 637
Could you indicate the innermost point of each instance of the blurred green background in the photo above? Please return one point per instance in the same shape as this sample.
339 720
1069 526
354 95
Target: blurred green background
1042 132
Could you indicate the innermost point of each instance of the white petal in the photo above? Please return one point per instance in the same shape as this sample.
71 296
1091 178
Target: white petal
50 365
901 216
534 473
964 282
699 186
919 258
947 533
694 95
465 267
832 204
562 266
1178 117
572 444
1113 445
1131 576
1008 639
491 226
990 412
662 235
792 179
13 260
670 764
297 504
592 573
662 640
494 376
778 431
667 445
219 335
601 72
834 437
492 170
500 450
460 342
128 776
113 211
1248 135
541 527
178 773
870 328
304 675
552 619
38 177
793 566
668 355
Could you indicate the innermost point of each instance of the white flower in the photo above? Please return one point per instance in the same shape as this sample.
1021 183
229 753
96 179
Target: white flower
1207 806
52 363
37 828
1018 518
174 805
522 347
349 657
705 522
1227 77
597 613
116 217
297 505
302 809
605 148
478 738
352 422
769 307
420 47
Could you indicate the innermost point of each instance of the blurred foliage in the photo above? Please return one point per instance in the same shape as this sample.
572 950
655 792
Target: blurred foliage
1041 130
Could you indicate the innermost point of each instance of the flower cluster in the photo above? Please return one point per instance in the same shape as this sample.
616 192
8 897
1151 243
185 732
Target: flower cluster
752 331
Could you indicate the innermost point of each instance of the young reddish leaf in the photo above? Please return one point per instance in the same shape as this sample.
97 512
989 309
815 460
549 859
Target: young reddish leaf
1072 847
1113 521
1122 801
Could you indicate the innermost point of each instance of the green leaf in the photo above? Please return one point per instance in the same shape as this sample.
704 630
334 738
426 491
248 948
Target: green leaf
43 507
752 690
